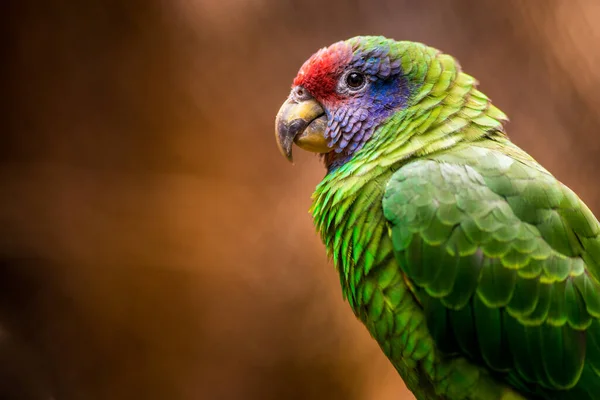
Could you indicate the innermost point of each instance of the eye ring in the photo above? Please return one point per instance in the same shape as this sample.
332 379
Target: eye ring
352 82
355 80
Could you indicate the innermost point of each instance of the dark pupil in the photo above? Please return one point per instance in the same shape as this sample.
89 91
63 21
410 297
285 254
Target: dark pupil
355 79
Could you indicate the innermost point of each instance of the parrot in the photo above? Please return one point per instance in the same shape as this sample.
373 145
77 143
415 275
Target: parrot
475 270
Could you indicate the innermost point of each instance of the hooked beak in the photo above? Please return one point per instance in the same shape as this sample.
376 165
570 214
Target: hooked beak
302 122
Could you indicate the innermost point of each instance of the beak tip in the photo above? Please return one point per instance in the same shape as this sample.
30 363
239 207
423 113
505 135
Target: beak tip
284 139
284 145
293 123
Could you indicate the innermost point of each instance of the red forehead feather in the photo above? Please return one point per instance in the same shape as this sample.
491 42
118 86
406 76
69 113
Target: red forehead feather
320 72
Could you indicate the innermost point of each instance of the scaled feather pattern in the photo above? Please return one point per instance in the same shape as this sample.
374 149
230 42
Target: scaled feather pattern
475 270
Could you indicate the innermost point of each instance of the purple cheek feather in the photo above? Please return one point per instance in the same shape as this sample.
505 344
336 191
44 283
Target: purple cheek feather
352 120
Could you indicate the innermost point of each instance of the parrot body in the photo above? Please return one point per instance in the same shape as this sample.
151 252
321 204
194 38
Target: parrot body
476 271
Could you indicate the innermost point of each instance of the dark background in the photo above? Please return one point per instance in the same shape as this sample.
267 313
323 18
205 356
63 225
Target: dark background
153 242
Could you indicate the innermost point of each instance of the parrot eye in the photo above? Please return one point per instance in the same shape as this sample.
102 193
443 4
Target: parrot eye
352 82
355 80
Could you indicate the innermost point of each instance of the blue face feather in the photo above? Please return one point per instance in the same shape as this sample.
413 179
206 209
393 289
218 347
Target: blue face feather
353 118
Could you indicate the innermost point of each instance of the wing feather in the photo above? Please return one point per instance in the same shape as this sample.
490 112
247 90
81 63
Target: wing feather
504 260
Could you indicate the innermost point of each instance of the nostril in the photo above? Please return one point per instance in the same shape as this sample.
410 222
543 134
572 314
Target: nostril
301 94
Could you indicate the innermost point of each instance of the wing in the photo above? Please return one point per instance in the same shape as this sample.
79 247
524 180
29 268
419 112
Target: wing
504 260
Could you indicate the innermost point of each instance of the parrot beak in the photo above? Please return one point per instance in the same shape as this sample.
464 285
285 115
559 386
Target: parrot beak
302 122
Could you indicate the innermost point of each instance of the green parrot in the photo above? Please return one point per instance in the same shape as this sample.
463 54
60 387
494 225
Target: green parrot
476 271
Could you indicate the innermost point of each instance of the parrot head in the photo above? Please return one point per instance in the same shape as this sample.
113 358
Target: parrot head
342 94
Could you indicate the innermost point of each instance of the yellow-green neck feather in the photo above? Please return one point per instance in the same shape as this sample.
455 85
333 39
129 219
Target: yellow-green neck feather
445 110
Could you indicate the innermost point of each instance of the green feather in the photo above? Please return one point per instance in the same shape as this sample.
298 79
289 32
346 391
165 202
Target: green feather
491 336
475 269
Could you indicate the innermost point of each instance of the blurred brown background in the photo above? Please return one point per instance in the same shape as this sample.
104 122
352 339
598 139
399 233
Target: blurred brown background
155 245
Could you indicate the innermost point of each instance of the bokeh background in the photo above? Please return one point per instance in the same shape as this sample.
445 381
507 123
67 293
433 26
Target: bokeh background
155 245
